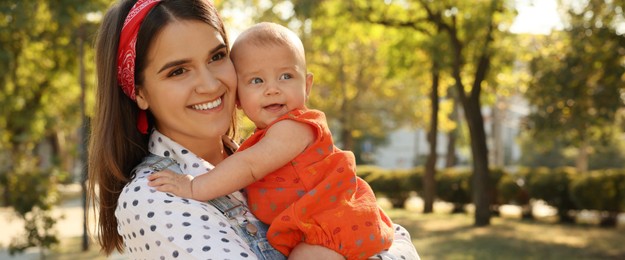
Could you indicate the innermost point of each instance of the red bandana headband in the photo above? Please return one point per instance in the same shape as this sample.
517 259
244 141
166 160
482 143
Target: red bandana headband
127 54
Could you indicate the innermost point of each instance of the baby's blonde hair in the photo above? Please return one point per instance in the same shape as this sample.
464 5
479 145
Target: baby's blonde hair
270 34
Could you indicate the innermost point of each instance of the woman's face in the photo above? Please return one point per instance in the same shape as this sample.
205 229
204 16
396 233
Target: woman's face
189 83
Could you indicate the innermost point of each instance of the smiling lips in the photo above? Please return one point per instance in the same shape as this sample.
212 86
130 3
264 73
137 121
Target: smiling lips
208 105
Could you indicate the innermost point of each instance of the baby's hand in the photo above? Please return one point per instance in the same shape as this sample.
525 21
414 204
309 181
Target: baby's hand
168 181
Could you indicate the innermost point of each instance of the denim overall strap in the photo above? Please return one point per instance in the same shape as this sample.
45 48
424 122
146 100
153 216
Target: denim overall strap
235 211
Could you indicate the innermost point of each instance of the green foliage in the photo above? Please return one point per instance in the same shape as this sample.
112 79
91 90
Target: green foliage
606 152
39 226
564 188
456 185
510 192
578 78
549 153
36 194
368 78
36 189
365 170
599 190
453 185
496 174
40 92
350 63
396 185
552 186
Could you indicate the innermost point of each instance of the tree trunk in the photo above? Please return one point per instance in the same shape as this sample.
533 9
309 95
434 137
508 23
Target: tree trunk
347 140
581 162
481 189
429 184
473 114
498 147
451 159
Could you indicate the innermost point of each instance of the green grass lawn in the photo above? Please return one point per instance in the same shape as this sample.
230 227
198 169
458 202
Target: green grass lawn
447 236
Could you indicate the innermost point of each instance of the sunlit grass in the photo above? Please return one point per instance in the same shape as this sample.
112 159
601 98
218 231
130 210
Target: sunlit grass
453 236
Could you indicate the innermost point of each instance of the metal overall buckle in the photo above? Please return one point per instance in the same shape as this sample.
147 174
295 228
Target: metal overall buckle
250 228
155 167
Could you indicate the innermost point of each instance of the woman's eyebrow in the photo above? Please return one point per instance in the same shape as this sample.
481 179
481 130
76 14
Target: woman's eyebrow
172 64
183 61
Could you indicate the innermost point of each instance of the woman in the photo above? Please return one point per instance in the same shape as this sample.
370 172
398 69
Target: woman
164 66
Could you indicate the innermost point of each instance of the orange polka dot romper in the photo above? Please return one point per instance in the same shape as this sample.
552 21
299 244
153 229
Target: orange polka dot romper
317 198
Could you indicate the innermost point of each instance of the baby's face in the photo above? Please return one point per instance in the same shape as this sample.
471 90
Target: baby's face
272 81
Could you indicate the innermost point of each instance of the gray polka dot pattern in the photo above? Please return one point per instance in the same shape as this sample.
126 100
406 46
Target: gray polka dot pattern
157 225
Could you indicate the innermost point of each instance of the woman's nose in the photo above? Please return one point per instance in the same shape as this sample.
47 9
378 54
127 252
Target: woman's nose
207 82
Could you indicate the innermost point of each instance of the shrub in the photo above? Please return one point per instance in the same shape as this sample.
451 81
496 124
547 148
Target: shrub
33 195
365 170
600 190
510 192
395 185
453 185
552 186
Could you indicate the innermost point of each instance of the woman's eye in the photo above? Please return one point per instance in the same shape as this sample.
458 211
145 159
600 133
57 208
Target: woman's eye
256 81
218 56
176 72
285 76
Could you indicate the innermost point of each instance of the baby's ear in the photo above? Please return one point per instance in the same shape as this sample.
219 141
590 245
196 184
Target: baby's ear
309 83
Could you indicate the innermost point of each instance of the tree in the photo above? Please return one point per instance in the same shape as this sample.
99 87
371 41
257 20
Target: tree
471 29
349 60
446 19
351 83
432 48
39 99
579 80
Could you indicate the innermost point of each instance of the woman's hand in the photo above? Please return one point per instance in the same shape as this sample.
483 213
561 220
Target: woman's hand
180 185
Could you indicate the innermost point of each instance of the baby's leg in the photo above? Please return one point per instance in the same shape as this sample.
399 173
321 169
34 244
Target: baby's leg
305 251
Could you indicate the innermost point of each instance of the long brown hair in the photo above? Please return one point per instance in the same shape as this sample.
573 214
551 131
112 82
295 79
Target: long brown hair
116 146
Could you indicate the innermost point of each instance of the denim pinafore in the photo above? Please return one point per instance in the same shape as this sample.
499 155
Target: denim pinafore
251 230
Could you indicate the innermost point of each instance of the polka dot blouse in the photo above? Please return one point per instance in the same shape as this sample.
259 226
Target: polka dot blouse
157 225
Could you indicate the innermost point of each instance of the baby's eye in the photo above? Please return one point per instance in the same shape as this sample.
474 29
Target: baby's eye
256 81
286 76
176 72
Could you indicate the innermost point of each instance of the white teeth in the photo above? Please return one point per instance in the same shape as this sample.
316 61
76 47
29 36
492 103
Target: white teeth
209 105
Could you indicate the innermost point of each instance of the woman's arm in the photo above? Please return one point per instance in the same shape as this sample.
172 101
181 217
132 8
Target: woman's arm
156 225
282 142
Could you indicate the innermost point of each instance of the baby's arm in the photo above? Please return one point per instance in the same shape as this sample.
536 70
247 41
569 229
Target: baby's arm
282 142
